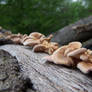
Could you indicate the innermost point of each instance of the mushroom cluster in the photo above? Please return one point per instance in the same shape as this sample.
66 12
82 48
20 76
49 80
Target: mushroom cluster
38 41
72 55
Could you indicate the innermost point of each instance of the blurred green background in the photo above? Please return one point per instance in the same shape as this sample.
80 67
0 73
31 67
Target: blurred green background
45 16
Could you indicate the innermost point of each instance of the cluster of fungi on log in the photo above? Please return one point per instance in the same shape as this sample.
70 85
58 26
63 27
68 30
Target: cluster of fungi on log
38 41
72 55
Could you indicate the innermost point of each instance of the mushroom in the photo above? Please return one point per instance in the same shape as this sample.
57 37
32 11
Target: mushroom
82 54
76 52
72 46
24 38
16 38
46 39
30 42
58 57
46 47
33 39
39 48
36 35
85 67
84 57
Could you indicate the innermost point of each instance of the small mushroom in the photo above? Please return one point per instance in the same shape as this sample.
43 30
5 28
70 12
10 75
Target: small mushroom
46 47
75 45
58 57
39 48
76 52
72 46
85 67
36 35
16 38
24 38
84 57
46 39
89 52
31 42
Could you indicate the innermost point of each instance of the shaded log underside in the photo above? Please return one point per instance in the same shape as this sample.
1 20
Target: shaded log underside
48 77
68 34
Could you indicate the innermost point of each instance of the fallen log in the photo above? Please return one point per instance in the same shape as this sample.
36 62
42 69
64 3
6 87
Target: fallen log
79 31
48 77
88 44
10 75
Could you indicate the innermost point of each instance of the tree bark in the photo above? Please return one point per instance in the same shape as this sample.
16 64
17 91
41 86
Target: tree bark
48 77
68 33
10 75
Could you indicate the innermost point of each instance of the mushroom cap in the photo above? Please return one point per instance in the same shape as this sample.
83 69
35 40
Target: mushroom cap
76 52
46 38
84 57
52 46
89 52
72 46
85 67
75 45
39 48
31 42
46 47
16 38
36 35
59 58
25 38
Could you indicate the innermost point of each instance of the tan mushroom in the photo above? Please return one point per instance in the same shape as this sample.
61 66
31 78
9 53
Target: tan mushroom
24 38
33 39
85 67
77 52
31 42
72 46
16 38
39 48
36 35
46 39
82 54
46 47
58 57
84 57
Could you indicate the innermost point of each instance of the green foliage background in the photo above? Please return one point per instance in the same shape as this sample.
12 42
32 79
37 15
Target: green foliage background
45 16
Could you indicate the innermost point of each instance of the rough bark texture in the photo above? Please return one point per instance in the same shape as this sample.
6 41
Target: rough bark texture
48 77
10 76
68 34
